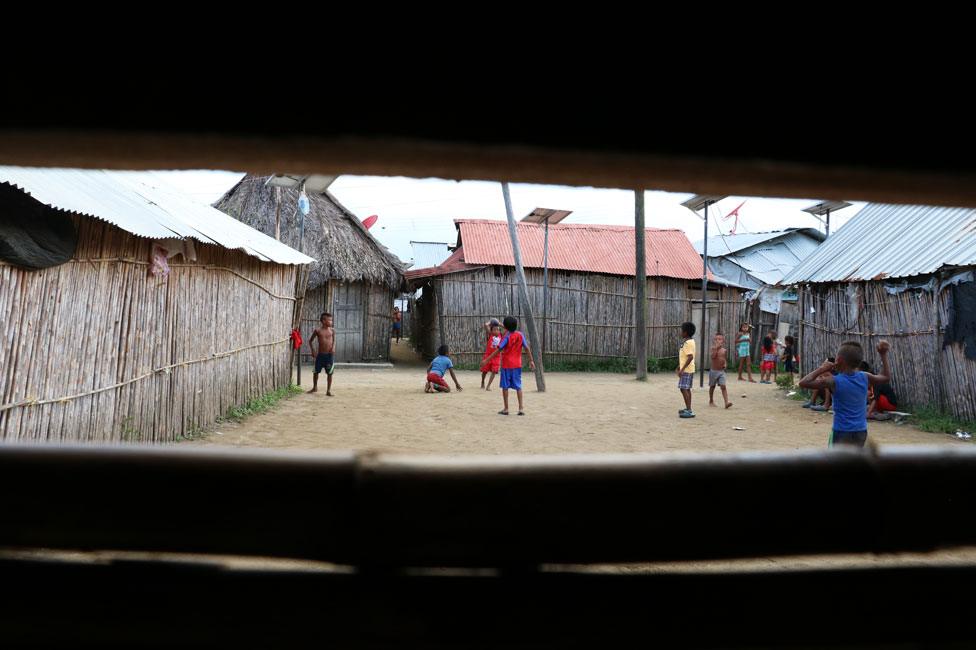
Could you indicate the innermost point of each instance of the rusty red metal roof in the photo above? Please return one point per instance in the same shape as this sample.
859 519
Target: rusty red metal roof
581 247
452 264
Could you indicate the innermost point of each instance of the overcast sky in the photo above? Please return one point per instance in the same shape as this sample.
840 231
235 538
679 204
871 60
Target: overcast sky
424 209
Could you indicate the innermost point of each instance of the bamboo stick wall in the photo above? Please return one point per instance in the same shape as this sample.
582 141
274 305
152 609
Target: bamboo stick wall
922 373
589 316
378 309
177 352
379 323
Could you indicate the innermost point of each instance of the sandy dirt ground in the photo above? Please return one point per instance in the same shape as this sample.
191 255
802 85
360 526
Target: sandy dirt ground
386 409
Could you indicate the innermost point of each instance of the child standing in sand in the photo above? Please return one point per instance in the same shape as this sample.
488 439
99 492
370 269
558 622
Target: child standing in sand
742 350
493 336
510 348
716 375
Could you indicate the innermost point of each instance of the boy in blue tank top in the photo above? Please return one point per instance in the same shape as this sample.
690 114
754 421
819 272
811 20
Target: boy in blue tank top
849 388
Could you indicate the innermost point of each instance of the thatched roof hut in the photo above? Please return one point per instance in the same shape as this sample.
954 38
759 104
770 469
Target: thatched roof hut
355 277
345 250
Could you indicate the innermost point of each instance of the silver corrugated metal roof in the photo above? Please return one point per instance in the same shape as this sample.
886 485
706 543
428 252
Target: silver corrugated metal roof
892 241
765 257
726 244
427 254
124 200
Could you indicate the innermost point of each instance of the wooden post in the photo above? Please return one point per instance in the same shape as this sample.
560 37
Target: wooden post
704 334
439 297
540 379
301 287
545 287
939 352
799 343
278 213
640 288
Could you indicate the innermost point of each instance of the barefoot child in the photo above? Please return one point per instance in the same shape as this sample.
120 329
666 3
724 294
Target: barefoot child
768 361
324 337
884 400
823 394
850 391
493 336
510 348
397 324
742 350
435 373
686 367
771 335
789 355
716 375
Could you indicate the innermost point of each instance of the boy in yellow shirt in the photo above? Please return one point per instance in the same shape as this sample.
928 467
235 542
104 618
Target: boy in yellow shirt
686 367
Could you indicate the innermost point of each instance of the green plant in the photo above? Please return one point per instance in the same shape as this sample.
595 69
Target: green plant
928 418
261 404
785 381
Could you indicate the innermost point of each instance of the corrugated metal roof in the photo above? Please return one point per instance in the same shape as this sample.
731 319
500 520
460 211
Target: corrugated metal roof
427 254
581 247
769 257
892 241
124 200
727 244
452 264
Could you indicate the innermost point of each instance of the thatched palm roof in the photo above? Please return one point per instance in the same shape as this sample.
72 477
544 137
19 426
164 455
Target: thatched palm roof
334 236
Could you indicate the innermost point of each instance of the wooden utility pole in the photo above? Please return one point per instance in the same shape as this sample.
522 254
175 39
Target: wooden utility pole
540 378
640 288
278 213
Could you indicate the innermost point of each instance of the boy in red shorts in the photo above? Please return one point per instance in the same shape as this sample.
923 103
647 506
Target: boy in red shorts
510 348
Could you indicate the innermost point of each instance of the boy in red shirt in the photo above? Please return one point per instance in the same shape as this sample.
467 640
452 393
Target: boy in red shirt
510 348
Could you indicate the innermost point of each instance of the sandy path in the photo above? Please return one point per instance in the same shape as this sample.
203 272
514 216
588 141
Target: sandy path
387 410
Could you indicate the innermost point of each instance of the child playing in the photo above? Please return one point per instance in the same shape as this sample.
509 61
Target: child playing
884 400
742 350
686 368
435 373
823 394
771 335
789 354
324 355
850 390
768 361
716 376
510 348
493 336
397 324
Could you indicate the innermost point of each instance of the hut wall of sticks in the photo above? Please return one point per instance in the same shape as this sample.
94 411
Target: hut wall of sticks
122 340
927 370
905 274
354 276
589 316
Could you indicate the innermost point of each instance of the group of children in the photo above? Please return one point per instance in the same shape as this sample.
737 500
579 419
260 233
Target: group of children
845 381
770 355
502 356
719 359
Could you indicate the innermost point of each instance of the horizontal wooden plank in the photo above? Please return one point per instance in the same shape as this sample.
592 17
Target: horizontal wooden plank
388 510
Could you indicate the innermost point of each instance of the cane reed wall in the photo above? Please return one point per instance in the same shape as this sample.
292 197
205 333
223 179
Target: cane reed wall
97 350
